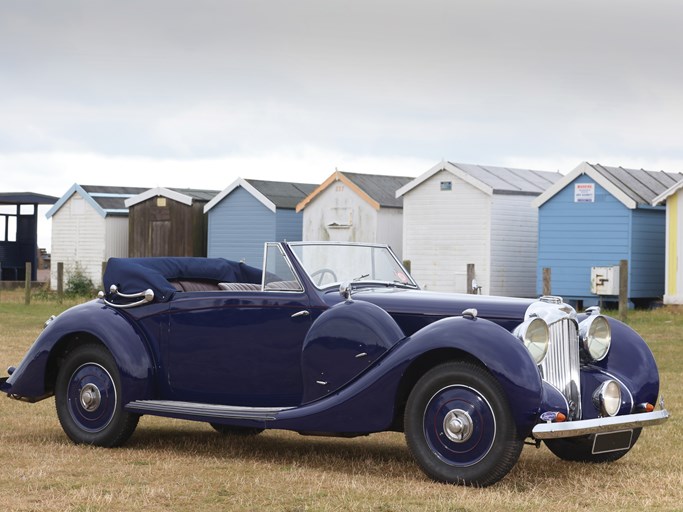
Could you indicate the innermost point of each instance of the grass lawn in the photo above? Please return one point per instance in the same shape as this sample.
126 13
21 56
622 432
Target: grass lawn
175 465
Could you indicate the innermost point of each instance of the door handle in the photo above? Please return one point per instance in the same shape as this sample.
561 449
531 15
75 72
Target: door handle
305 312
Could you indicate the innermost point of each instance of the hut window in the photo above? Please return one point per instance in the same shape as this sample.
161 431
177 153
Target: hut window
161 202
11 229
446 185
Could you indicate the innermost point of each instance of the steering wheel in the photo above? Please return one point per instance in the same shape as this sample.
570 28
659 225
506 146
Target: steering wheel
321 273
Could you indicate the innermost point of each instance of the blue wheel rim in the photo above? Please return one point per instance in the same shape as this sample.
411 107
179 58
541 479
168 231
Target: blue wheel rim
473 412
91 397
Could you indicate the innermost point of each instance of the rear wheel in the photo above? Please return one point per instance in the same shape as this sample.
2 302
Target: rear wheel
458 426
87 398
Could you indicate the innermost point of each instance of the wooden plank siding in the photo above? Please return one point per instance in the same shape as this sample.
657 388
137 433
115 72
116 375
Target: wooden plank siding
78 239
288 225
648 241
573 237
514 245
444 230
174 229
238 227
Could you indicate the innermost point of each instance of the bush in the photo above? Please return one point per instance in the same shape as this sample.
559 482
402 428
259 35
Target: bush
78 284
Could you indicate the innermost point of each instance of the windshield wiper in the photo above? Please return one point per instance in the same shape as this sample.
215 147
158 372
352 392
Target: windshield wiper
361 277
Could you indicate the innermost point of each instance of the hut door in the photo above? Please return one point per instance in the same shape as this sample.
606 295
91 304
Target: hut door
160 238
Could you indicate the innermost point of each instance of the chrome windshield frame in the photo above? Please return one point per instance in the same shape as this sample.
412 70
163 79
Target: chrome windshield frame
411 284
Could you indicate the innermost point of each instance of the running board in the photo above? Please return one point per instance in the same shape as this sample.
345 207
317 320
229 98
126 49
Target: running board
192 409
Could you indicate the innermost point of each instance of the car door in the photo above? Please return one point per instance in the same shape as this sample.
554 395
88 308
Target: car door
239 347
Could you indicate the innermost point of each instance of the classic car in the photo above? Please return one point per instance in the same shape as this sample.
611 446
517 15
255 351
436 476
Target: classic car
338 339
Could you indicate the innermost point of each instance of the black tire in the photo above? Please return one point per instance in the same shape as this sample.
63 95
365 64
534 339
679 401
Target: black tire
87 398
231 430
579 449
458 426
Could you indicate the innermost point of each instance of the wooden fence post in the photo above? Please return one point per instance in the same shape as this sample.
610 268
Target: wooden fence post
623 290
104 269
470 279
60 280
547 281
27 284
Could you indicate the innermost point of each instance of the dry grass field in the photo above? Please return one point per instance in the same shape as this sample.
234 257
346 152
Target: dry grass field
174 465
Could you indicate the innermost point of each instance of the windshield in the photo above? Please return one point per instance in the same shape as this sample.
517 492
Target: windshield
330 264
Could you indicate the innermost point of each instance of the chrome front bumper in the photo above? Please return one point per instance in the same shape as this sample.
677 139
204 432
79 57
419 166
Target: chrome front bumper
599 425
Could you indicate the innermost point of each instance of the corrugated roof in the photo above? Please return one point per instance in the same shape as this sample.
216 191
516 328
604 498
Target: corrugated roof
380 188
640 185
283 194
506 179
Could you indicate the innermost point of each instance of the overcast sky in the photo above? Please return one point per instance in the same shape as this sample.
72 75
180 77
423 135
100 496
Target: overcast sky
196 93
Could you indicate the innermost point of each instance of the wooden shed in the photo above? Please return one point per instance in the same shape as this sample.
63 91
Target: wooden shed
19 233
673 272
354 207
168 222
459 214
596 216
248 213
89 226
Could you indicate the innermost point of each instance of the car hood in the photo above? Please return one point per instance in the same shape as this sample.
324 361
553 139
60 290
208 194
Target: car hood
401 302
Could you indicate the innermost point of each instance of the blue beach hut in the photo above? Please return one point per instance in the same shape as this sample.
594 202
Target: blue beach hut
596 216
249 213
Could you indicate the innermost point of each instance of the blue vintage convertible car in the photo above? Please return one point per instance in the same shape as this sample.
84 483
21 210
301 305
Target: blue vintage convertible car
337 339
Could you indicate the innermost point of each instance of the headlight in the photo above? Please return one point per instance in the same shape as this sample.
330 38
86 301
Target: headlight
607 398
535 335
596 337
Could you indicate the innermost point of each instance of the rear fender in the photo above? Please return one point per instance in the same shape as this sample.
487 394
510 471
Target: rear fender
33 379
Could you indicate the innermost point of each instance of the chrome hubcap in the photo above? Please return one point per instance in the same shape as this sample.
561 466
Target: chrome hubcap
457 425
90 397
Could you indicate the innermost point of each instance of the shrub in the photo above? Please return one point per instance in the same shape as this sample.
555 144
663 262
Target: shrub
78 284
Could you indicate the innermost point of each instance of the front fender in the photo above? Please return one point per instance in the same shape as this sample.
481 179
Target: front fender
631 361
368 403
30 381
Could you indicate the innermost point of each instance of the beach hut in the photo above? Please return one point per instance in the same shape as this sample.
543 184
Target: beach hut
249 213
593 218
457 214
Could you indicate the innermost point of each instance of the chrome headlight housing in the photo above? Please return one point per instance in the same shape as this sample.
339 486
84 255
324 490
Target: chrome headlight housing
535 335
607 398
595 334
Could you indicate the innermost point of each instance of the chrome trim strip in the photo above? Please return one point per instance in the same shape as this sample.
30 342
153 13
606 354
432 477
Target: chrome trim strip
205 410
599 425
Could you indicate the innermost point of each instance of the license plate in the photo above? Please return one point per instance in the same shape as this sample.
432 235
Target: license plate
612 441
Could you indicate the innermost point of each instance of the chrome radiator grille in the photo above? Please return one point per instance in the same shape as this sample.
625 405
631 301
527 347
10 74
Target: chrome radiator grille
561 365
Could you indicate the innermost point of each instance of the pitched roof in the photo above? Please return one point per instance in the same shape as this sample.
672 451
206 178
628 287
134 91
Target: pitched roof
26 198
283 194
632 187
667 193
491 179
182 195
104 200
376 189
272 194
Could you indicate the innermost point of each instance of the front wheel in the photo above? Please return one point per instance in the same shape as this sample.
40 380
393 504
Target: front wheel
87 398
458 426
580 449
